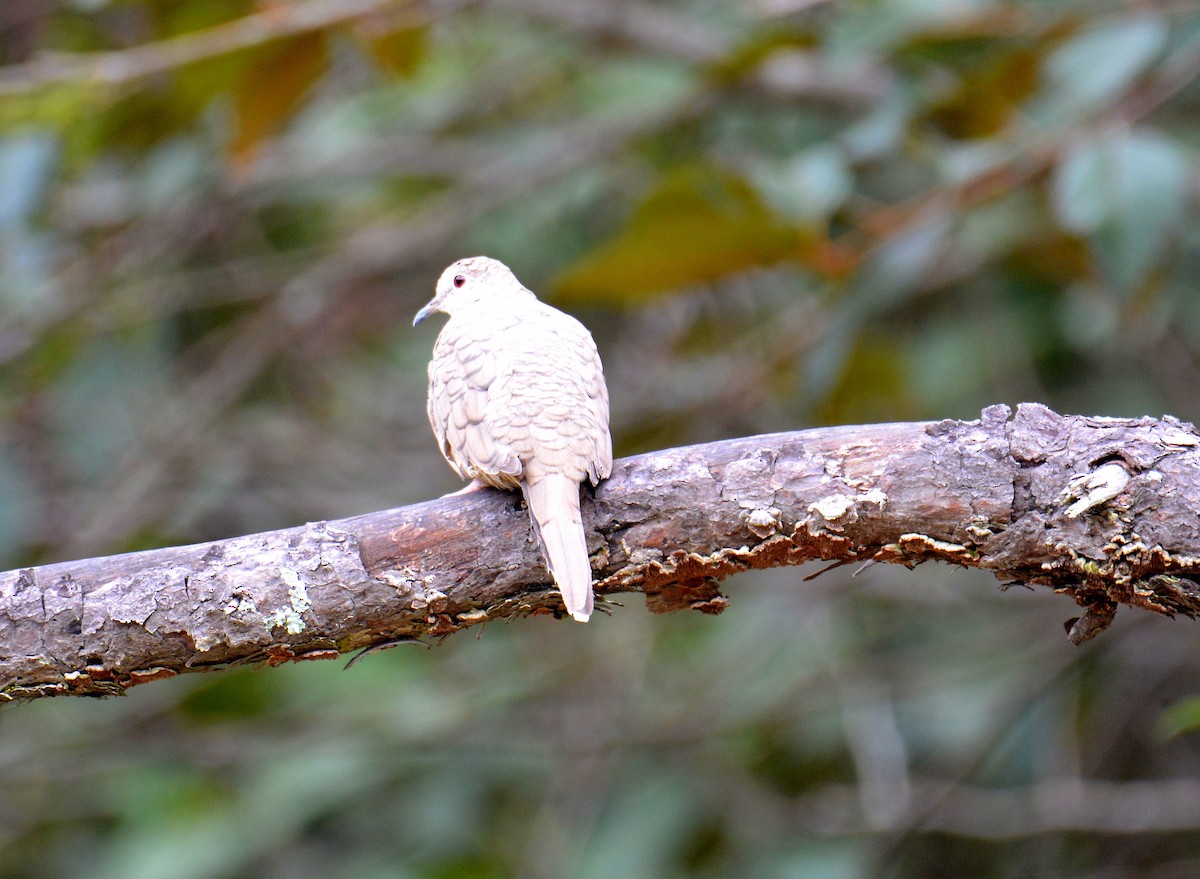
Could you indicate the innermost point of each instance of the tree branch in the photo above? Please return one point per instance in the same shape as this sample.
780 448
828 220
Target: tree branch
129 65
1101 509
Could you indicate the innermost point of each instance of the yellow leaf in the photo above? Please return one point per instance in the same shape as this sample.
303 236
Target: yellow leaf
271 89
398 50
698 225
989 96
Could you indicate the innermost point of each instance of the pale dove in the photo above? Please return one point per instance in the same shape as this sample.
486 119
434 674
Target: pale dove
517 400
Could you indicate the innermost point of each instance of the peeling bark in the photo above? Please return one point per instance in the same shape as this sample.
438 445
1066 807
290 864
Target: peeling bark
1101 509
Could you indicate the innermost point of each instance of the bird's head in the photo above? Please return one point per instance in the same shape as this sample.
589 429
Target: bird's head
475 282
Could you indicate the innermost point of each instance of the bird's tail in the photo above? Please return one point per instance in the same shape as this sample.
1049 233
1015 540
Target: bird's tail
553 502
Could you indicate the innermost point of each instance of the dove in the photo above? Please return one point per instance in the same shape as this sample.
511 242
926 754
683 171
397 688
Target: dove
517 399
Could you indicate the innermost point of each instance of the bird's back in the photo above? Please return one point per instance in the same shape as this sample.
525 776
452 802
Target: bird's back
519 391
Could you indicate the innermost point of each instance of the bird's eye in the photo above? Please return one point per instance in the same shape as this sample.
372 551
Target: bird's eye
459 280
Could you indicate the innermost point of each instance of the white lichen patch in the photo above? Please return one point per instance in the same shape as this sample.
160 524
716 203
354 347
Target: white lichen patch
924 543
434 599
291 618
404 579
764 521
980 530
875 496
832 507
1094 489
240 604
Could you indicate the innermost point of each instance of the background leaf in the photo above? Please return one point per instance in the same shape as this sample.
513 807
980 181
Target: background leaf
1096 65
271 89
697 225
1127 194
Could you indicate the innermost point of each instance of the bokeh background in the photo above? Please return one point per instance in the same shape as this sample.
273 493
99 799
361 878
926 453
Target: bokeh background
216 222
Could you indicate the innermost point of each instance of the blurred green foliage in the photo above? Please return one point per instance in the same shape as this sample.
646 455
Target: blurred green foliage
216 222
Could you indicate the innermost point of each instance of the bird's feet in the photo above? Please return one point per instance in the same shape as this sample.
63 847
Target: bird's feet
472 486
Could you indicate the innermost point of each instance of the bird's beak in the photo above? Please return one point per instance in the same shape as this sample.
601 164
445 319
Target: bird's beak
429 309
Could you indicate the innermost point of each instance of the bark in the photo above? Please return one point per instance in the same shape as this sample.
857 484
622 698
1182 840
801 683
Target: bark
1101 509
